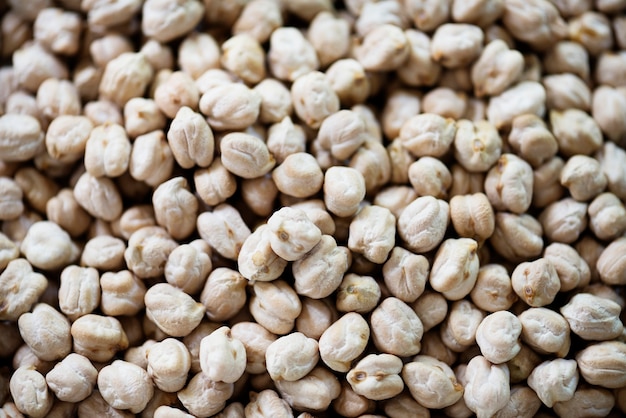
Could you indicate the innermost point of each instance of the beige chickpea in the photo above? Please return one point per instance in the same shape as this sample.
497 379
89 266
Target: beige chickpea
458 330
377 376
24 103
466 182
547 187
214 184
404 405
319 381
151 158
79 292
372 233
276 102
564 220
257 261
317 316
459 80
349 81
593 317
401 160
479 12
536 282
266 402
21 137
610 264
431 382
125 385
96 405
275 305
142 116
395 198
98 337
576 132
37 188
523 97
419 69
564 91
554 380
49 342
165 22
104 252
342 133
498 335
357 294
230 107
164 411
567 57
223 294
606 106
493 290
612 158
33 65
87 77
527 231
224 230
472 216
344 341
595 401
477 145
256 339
30 393
405 274
430 177
446 102
607 216
447 48
290 54
64 210
329 36
159 56
72 379
125 77
11 205
344 189
428 15
455 268
188 266
299 175
531 139
350 403
98 196
523 402
20 287
319 272
583 177
384 48
110 14
122 293
134 218
259 194
193 340
175 207
428 135
291 357
509 184
432 345
396 328
198 53
593 31
67 137
18 27
523 364
545 331
173 311
58 97
259 18
148 250
47 246
177 91
108 47
103 111
222 357
285 138
423 223
537 23
571 268
9 251
107 151
603 364
245 155
312 85
487 389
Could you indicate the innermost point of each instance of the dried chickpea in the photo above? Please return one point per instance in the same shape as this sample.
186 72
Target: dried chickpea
357 294
455 268
431 382
125 77
188 266
603 364
517 237
535 22
259 18
30 392
72 379
419 69
275 305
125 385
536 282
377 376
531 139
173 311
50 342
593 317
98 337
487 388
423 223
477 145
299 175
384 48
564 220
448 49
290 54
223 294
458 330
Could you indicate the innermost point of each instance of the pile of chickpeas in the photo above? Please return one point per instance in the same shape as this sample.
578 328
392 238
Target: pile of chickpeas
312 208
